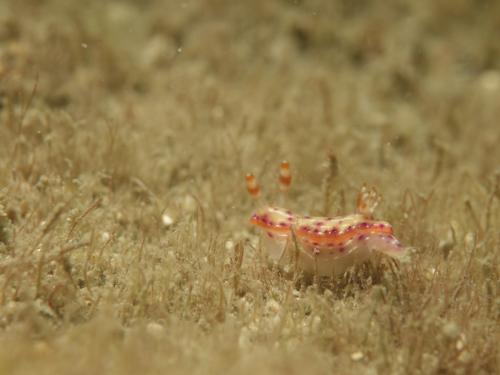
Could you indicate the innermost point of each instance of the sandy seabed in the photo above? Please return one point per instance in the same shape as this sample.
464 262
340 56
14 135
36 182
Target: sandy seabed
126 128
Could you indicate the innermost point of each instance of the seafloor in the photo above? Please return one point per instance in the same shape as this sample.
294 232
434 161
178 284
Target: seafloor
126 128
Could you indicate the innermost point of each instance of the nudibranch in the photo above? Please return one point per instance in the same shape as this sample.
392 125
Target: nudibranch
328 246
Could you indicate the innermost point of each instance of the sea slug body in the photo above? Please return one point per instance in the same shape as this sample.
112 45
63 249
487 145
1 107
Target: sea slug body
329 245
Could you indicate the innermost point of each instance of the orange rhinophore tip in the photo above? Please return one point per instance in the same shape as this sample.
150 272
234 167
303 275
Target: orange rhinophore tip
252 185
285 177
